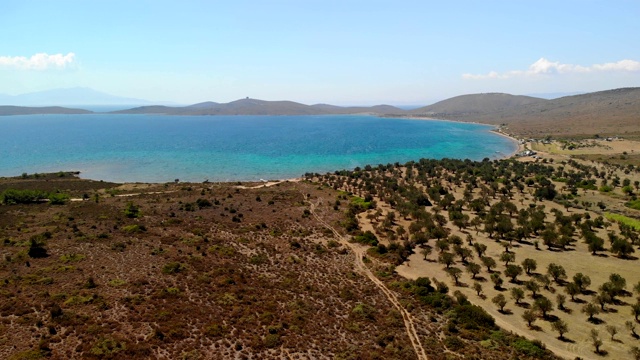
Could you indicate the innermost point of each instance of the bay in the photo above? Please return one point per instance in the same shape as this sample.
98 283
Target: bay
157 148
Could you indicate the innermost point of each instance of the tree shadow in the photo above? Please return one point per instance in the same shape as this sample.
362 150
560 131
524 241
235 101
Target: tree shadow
550 318
480 279
505 312
566 310
565 339
588 292
524 305
535 328
595 320
601 352
600 255
577 300
617 341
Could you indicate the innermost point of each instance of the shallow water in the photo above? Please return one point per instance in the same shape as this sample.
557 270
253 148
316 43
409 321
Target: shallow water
157 148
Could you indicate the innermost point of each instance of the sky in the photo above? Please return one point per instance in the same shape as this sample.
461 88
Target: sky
346 52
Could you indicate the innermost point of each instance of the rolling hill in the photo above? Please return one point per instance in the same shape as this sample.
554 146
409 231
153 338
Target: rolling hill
261 107
610 112
6 110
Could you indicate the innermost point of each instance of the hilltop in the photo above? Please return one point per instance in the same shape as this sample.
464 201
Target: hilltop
6 110
610 112
261 107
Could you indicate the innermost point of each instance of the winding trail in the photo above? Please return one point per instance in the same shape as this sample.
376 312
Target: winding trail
359 253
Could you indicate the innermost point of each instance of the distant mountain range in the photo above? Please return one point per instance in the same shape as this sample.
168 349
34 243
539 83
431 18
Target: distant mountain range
261 107
75 97
611 112
6 110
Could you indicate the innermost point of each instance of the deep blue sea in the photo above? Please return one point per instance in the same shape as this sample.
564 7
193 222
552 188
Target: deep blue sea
157 148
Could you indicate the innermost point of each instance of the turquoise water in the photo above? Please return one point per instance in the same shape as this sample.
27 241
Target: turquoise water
156 148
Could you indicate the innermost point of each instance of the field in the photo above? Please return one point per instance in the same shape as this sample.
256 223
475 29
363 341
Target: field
443 245
213 271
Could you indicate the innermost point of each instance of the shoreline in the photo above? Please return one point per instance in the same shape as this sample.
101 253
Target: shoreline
519 146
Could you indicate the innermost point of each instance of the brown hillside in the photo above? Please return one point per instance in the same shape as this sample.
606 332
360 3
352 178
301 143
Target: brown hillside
611 112
476 105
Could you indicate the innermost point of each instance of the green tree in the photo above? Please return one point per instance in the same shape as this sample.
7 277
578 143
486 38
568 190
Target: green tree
622 248
497 280
595 340
477 287
500 300
591 310
529 265
513 271
543 305
517 294
488 262
507 257
447 259
426 251
533 287
572 290
561 327
529 316
473 269
561 300
582 281
455 274
557 272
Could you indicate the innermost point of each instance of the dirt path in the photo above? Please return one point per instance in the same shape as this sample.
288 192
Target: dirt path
359 253
267 184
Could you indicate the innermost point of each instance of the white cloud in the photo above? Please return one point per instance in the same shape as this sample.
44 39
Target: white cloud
39 61
546 67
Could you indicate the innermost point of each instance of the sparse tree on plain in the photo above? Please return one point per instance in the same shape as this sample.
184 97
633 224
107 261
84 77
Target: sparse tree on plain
477 287
488 262
591 310
480 249
500 300
543 305
533 287
517 294
513 271
529 316
583 281
557 272
426 251
455 274
561 327
529 265
507 257
497 280
473 269
560 300
572 290
446 258
595 340
612 330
